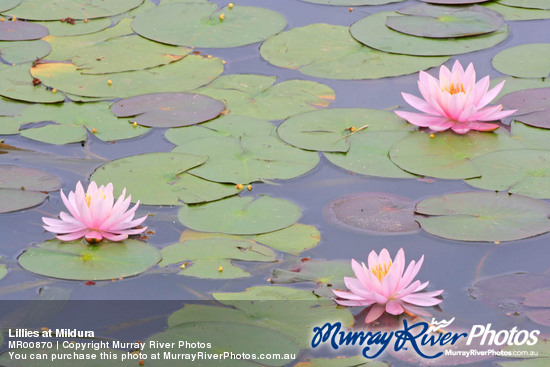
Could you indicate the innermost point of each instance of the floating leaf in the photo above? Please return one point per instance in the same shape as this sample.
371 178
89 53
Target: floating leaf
71 121
353 2
337 55
524 61
208 256
519 171
18 52
454 2
539 351
21 31
3 272
198 24
77 9
22 188
80 27
191 72
531 137
512 13
433 21
448 155
9 4
356 361
161 179
257 96
266 293
249 159
241 215
9 107
533 106
168 109
17 84
372 213
512 84
483 216
77 260
372 31
530 4
326 130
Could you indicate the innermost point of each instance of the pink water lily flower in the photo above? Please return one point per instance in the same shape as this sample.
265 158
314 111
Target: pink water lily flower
385 287
454 101
94 215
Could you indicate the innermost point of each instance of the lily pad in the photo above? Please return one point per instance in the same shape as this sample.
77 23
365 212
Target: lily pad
77 9
483 216
331 130
191 72
161 179
373 213
356 361
448 155
3 272
211 258
433 21
257 95
373 32
337 55
513 13
454 2
18 52
524 61
531 137
168 109
241 215
17 83
77 260
80 27
9 4
540 351
71 120
512 84
199 24
21 31
249 159
533 106
521 171
353 2
530 4
22 188
266 293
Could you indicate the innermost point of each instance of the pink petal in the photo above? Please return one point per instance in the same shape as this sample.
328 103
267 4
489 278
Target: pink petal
423 299
422 120
72 236
490 95
361 275
394 307
375 312
419 104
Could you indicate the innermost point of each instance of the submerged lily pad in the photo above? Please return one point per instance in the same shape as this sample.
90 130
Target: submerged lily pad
198 24
22 188
539 351
161 179
530 4
483 216
168 109
241 215
372 213
18 52
249 159
373 32
257 95
17 83
211 258
77 9
521 171
77 260
524 61
433 21
448 155
337 55
21 31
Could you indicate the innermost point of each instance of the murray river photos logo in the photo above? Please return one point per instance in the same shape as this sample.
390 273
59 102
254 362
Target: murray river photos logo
420 337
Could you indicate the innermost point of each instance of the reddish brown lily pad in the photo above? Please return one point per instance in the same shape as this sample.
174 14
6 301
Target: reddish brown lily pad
372 212
21 31
533 106
169 109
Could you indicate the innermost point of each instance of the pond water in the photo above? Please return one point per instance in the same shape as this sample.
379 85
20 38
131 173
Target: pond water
450 265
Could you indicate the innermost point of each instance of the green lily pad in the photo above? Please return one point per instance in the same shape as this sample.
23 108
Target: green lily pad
221 337
448 155
512 84
266 293
22 188
337 55
9 4
225 125
3 272
356 361
17 84
9 107
21 31
77 9
326 130
372 31
513 13
198 24
540 351
249 159
168 109
77 260
524 61
484 216
435 21
353 2
208 256
241 215
521 171
191 72
18 52
58 28
530 137
372 213
454 2
257 96
530 4
73 119
369 154
161 179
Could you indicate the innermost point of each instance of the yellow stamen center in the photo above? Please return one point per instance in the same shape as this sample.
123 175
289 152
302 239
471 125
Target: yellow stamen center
88 200
381 270
455 88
